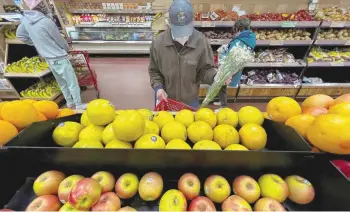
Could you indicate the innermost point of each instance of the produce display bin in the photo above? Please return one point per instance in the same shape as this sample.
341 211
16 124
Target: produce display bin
331 89
267 90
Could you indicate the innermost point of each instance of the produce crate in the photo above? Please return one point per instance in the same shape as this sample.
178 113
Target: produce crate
330 185
267 90
331 89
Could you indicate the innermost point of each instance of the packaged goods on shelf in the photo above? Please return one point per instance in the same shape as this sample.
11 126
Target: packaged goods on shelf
333 14
312 80
112 20
266 76
27 65
334 34
323 55
282 34
42 89
275 56
301 15
117 35
109 6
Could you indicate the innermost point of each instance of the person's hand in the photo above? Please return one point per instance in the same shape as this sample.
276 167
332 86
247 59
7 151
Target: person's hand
162 95
228 81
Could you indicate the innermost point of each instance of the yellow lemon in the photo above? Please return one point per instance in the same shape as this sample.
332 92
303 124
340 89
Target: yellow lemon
146 114
108 134
163 117
206 145
186 117
100 112
116 144
206 115
151 127
227 116
128 126
225 135
67 133
341 109
282 108
198 131
177 144
84 120
236 147
253 136
249 114
174 130
300 123
91 132
150 141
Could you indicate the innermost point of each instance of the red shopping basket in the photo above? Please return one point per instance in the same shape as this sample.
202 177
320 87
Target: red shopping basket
172 105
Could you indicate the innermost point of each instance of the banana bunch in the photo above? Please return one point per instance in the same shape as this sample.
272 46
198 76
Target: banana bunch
10 33
42 89
27 65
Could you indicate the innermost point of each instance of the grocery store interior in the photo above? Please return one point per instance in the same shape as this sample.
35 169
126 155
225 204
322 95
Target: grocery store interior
282 142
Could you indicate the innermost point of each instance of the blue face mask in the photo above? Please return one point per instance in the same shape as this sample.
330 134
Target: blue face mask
181 40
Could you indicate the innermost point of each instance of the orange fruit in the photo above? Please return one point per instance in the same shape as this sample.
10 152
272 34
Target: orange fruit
330 133
8 131
65 112
300 123
315 111
253 136
318 100
282 108
48 108
41 117
341 99
341 109
1 105
31 101
18 113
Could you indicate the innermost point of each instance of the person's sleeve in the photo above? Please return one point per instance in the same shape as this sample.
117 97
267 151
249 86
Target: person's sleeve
156 77
22 34
206 69
55 34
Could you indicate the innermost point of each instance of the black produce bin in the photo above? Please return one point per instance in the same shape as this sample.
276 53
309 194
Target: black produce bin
332 188
279 136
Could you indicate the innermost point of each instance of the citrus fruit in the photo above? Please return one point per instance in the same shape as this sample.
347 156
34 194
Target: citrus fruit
150 141
84 120
65 112
341 109
67 133
318 100
249 114
31 101
253 136
146 114
151 127
300 123
225 135
227 116
206 115
282 108
174 130
116 144
236 147
19 113
198 131
177 144
315 111
266 115
7 132
41 117
100 112
48 108
128 126
186 117
1 105
108 134
162 117
118 112
88 143
92 132
341 99
206 145
330 133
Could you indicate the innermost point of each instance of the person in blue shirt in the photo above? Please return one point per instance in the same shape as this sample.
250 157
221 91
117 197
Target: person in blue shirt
244 36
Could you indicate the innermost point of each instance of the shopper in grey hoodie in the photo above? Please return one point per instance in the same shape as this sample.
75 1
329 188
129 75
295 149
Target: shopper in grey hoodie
39 30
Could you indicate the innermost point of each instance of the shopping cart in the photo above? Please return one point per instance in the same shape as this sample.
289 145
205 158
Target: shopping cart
86 75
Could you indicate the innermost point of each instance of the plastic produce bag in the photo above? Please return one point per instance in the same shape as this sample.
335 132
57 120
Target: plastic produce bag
229 66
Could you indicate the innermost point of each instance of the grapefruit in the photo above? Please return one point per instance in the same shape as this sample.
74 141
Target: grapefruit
282 108
227 116
31 101
100 112
146 114
150 141
300 123
116 144
19 113
48 108
341 109
128 126
7 132
198 131
253 136
249 114
174 130
236 147
41 117
151 127
206 115
88 143
162 117
206 145
177 144
330 133
92 132
67 133
341 99
318 100
225 135
1 105
65 112
108 134
84 120
186 117
315 111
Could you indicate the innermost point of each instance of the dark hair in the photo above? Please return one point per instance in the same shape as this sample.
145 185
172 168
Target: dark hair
242 24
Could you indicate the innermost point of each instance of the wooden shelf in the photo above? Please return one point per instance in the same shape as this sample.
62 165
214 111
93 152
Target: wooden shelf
28 75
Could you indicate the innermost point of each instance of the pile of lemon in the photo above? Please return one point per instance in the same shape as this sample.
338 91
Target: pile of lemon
102 126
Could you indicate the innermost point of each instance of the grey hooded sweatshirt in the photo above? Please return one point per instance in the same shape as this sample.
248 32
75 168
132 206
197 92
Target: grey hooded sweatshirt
38 30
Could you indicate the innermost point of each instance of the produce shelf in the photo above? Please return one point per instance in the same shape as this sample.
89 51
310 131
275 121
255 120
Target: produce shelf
330 89
219 41
285 24
283 42
13 41
40 98
110 25
332 42
258 91
28 75
335 24
296 64
210 24
329 64
113 47
9 23
114 11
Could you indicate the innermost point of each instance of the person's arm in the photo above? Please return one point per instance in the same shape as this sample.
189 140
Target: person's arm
156 77
206 69
22 34
53 31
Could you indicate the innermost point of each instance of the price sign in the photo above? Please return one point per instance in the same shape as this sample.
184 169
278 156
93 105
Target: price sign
276 43
337 64
208 24
337 24
289 24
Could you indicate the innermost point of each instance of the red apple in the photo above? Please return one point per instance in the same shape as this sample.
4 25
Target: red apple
45 203
150 186
105 179
235 203
67 207
189 185
301 190
127 185
202 203
247 188
66 186
217 188
127 208
48 182
108 202
85 194
268 204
